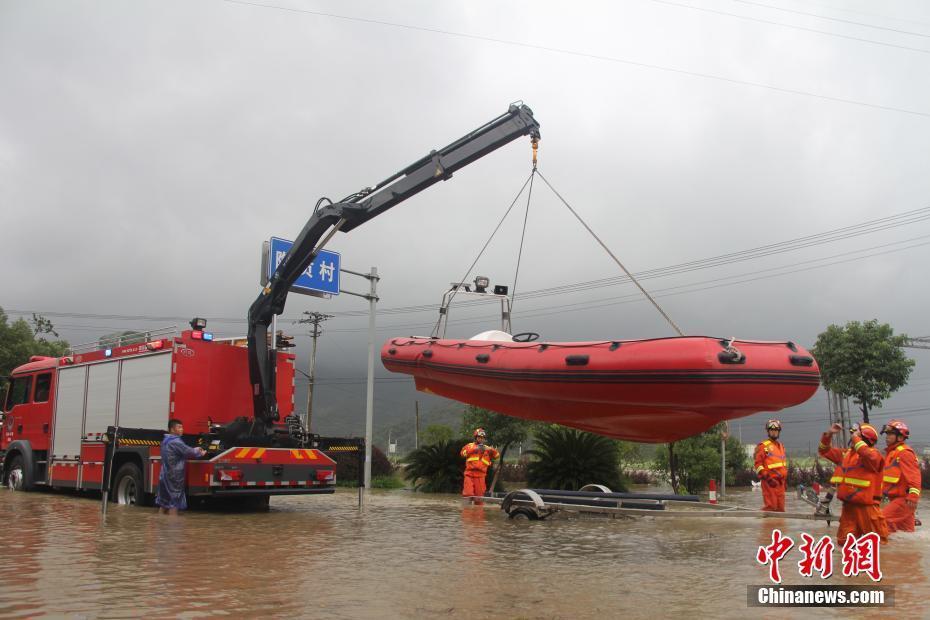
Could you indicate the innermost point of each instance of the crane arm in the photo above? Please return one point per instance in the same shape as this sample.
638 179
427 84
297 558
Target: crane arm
345 215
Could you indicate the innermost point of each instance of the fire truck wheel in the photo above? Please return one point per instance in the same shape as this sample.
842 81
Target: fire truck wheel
128 487
15 478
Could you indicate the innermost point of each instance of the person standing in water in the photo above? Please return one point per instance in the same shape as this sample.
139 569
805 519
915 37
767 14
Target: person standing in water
478 458
771 465
172 480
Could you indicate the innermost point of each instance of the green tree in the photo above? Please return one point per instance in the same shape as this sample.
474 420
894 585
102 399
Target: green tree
436 468
19 341
630 453
435 433
566 458
865 361
503 431
698 460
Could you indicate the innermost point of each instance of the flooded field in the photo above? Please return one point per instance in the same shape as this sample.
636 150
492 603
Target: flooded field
407 555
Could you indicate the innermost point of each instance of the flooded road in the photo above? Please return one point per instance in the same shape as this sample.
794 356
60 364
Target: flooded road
407 555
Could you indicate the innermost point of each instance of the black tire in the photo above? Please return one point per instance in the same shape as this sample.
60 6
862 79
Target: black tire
523 514
14 476
129 487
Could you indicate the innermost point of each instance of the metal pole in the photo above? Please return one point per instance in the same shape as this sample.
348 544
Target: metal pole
370 397
315 320
310 385
723 461
416 436
107 476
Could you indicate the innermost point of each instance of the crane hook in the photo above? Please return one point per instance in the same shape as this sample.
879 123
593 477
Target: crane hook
535 143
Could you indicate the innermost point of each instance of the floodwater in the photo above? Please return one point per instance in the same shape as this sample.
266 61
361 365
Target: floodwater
406 556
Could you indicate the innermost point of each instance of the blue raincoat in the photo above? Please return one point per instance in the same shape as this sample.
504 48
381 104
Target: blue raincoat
173 477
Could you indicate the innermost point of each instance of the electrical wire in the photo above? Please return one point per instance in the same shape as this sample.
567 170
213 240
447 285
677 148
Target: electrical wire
832 19
601 57
792 26
847 232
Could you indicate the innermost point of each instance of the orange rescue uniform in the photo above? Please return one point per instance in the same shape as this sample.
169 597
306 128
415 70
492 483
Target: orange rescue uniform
477 462
772 468
901 482
858 480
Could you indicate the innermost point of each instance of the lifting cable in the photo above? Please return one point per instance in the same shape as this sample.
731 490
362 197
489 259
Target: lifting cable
616 260
529 182
485 247
526 216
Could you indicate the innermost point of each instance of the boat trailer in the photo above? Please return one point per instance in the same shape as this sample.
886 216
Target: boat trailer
539 504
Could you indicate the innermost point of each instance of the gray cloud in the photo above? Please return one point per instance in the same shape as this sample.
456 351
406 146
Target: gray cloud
147 149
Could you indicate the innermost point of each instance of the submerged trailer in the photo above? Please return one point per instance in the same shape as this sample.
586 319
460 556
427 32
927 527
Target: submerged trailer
74 422
538 504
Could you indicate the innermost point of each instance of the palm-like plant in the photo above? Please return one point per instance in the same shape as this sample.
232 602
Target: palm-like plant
437 468
569 459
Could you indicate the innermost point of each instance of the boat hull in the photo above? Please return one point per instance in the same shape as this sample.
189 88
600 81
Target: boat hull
644 390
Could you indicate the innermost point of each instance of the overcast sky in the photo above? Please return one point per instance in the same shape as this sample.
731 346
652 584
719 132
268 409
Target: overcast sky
148 148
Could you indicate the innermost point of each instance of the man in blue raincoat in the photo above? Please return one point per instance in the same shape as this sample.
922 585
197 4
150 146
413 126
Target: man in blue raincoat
172 480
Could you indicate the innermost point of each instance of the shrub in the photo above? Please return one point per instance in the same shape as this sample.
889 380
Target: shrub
569 459
436 468
817 472
511 472
641 476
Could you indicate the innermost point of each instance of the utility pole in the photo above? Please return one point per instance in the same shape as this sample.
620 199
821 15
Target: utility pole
315 320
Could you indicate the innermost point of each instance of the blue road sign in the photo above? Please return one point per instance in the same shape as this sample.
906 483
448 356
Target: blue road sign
322 276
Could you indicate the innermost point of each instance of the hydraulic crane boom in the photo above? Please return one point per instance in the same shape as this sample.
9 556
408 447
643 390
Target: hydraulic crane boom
346 214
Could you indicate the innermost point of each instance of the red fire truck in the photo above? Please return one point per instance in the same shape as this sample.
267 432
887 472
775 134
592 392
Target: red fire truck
95 419
62 415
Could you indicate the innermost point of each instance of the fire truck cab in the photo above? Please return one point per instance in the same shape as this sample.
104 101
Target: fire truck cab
76 421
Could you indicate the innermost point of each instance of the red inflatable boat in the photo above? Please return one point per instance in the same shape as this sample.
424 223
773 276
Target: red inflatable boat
653 391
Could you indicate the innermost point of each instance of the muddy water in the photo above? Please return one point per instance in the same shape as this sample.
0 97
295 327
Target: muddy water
408 555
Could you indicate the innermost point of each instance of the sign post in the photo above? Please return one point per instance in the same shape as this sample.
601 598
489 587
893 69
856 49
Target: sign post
320 279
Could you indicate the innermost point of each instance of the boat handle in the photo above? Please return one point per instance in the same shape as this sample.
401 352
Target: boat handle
801 360
731 356
576 360
483 358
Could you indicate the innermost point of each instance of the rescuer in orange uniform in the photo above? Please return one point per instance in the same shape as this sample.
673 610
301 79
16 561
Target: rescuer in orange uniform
771 466
858 480
478 458
901 478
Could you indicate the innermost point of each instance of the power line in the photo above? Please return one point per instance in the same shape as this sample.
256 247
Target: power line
878 15
830 236
832 19
601 57
665 292
791 26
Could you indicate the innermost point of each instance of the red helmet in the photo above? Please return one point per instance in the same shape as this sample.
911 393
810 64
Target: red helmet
773 425
480 432
897 426
867 432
